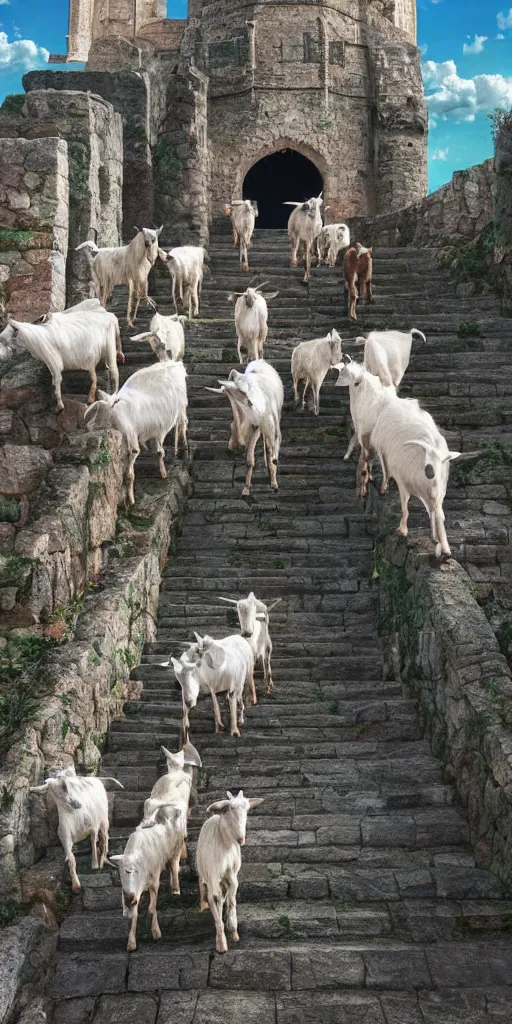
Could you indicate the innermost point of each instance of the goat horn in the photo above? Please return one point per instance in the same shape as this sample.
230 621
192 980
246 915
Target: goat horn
271 606
262 285
228 600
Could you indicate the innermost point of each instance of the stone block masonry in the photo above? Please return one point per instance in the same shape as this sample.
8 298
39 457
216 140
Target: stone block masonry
93 131
441 645
34 209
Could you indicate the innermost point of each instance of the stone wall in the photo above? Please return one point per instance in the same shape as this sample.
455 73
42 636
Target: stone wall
502 213
94 133
82 681
128 93
33 225
461 208
443 648
181 161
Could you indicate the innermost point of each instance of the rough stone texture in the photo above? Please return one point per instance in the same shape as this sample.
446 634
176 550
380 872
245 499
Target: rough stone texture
94 134
20 969
34 213
86 678
341 86
461 208
129 94
446 647
502 212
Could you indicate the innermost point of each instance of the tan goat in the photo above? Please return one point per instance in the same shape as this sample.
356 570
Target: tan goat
357 270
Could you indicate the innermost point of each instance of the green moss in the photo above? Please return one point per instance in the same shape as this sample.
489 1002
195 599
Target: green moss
167 165
15 569
492 465
9 510
10 240
12 912
478 722
469 329
135 134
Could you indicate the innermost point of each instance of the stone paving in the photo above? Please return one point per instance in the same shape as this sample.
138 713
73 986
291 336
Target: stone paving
360 901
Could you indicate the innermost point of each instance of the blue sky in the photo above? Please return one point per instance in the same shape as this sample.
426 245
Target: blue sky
467 54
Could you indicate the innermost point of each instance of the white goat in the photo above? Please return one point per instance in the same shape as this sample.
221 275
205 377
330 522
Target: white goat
311 361
330 242
125 264
149 405
256 398
82 806
171 793
77 339
386 355
166 336
253 616
368 396
251 314
219 861
412 450
225 666
185 264
145 856
304 225
243 213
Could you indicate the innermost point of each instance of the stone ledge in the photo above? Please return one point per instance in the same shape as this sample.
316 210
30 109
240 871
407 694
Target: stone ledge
442 645
87 678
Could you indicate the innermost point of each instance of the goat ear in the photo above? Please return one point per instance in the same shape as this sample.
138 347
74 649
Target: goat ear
254 801
177 666
191 754
102 396
115 860
451 456
165 752
219 807
270 295
40 789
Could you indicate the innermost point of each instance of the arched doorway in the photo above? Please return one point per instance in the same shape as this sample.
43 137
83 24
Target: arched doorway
277 178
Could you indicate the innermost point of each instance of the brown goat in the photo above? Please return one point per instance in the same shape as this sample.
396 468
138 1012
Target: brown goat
357 270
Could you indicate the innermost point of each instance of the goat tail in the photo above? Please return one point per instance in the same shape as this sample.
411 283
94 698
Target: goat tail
418 334
89 244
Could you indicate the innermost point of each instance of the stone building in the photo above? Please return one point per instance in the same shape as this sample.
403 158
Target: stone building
273 99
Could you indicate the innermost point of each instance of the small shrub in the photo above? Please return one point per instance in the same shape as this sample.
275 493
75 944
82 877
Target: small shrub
9 510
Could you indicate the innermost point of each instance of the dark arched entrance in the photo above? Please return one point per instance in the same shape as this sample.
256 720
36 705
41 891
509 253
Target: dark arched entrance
277 178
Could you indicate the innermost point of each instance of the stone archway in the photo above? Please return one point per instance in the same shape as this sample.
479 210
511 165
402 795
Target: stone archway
276 178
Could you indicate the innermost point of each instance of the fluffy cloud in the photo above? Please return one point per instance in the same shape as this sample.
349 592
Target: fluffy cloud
441 154
476 46
504 20
453 98
21 54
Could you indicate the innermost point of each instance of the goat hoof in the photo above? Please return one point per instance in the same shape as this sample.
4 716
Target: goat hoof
76 888
203 906
131 947
176 892
157 934
221 947
120 357
164 474
246 492
401 533
245 266
219 728
235 937
235 733
254 701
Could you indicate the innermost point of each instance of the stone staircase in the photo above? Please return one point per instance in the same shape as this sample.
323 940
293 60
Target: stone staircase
360 900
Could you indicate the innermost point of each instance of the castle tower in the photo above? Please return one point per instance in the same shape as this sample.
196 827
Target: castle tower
290 98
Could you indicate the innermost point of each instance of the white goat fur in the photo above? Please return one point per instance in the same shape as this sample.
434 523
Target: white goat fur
387 353
331 240
82 807
125 264
253 616
243 214
225 666
256 398
77 339
219 861
165 336
412 450
367 398
311 361
304 225
170 798
185 264
251 315
149 405
145 856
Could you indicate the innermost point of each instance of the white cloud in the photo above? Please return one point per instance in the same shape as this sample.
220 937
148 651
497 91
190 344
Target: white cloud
5 2
476 46
423 49
500 35
441 154
504 20
453 98
22 53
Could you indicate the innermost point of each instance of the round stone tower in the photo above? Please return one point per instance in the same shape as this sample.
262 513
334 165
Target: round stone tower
338 83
